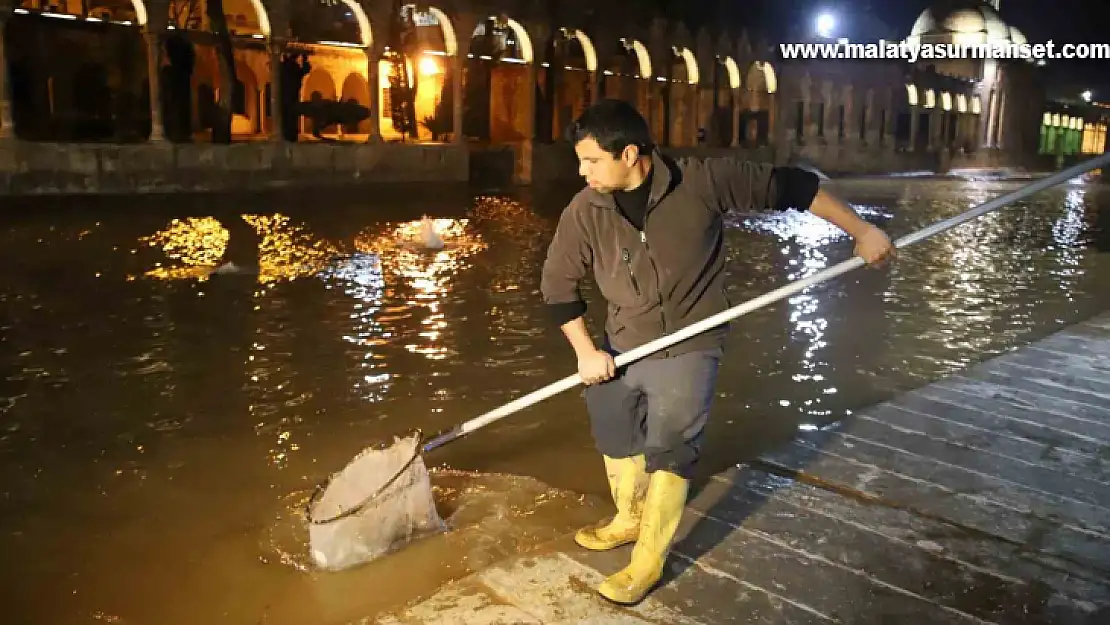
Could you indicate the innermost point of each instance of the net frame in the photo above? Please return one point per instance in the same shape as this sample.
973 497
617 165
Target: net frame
321 488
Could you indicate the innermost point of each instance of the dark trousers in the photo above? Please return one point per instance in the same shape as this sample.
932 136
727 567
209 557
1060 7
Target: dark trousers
657 407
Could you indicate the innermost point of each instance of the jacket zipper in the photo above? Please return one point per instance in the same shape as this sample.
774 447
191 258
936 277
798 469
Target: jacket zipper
655 271
628 263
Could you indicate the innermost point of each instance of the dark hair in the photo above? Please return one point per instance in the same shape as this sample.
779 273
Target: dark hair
615 125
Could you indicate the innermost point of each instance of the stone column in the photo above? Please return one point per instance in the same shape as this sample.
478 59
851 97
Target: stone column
277 47
153 38
7 127
915 127
464 25
458 65
373 58
524 167
737 106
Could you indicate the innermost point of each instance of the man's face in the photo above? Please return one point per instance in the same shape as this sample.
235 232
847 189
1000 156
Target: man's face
602 171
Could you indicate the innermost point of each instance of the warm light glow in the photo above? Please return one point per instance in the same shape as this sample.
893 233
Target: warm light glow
1047 119
946 101
642 56
733 73
287 252
961 103
263 17
692 75
450 40
195 244
911 94
588 49
1094 138
930 99
403 253
140 11
764 71
976 105
526 52
429 66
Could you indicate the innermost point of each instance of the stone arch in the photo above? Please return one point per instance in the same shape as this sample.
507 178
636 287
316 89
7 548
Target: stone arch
263 17
527 52
499 88
643 58
319 81
366 35
693 76
140 11
428 70
623 75
587 48
246 116
733 72
356 89
763 73
946 101
450 38
725 100
566 80
930 100
912 98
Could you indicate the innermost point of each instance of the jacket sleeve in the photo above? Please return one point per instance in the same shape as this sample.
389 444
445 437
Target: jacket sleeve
569 258
736 185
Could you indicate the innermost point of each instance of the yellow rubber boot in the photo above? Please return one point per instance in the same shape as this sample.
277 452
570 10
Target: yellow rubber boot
666 499
628 482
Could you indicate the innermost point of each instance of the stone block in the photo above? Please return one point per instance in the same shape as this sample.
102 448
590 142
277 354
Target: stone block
310 156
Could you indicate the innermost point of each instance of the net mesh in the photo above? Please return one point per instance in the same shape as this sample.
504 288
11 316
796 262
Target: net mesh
381 500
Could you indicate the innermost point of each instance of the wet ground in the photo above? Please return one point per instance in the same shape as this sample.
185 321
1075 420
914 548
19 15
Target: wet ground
160 432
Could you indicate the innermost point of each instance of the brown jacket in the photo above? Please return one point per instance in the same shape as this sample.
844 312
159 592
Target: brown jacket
671 274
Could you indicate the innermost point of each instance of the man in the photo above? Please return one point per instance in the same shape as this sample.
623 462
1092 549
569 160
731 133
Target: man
651 230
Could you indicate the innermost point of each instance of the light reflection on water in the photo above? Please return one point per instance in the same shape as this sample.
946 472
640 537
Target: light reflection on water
182 406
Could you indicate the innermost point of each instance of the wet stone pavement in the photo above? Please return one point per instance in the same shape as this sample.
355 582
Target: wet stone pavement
981 498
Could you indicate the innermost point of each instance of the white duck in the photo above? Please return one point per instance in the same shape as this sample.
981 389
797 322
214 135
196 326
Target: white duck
429 238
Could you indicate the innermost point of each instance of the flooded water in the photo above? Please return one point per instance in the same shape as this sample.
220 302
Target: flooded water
161 430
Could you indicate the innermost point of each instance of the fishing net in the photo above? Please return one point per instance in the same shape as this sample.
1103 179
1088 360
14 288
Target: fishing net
381 500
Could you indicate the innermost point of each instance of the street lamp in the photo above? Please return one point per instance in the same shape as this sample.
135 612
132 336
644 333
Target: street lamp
1086 95
825 25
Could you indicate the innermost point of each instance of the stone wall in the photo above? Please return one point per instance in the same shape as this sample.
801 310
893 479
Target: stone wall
49 168
557 162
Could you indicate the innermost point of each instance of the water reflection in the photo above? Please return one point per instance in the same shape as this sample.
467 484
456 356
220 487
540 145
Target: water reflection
193 248
360 276
196 243
1067 232
424 276
287 251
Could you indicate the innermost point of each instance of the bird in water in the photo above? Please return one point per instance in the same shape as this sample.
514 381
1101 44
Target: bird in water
429 238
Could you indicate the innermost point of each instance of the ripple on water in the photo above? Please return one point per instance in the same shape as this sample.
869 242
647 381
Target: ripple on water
489 517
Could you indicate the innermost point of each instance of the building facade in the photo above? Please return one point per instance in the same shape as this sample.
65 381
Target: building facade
502 76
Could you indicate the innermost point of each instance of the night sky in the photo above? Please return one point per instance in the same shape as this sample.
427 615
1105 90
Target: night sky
1063 21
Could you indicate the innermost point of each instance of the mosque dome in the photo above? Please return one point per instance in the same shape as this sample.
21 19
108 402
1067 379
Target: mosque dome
962 21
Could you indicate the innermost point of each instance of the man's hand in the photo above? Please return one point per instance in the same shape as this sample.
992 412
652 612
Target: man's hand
874 246
596 366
